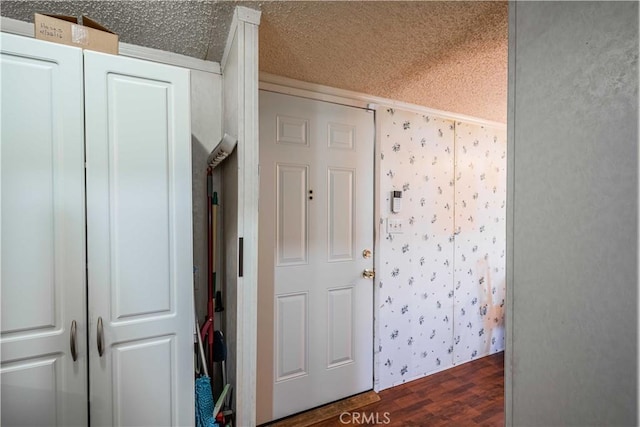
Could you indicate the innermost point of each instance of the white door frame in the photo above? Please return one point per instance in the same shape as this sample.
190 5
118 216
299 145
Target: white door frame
240 119
266 341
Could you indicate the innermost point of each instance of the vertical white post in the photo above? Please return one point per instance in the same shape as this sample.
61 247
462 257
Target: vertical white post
240 72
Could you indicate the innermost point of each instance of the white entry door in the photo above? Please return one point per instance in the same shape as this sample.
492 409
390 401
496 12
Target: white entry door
138 145
316 240
44 379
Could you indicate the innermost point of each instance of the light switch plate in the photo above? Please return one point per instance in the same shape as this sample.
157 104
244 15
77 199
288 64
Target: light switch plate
395 225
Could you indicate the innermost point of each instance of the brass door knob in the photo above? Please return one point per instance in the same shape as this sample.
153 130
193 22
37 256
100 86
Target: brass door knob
366 253
368 274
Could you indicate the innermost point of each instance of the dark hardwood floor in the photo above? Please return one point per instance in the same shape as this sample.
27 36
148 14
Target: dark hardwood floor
467 395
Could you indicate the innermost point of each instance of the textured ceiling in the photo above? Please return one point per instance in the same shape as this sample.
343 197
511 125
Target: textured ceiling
445 55
193 28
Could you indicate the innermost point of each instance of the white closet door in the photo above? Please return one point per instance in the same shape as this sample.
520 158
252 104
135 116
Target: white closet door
139 239
42 233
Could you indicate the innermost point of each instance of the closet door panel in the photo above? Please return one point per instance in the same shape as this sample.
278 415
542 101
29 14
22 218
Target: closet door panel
139 242
480 241
416 269
139 171
42 234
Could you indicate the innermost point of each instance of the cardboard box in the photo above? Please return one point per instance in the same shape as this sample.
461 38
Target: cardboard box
87 34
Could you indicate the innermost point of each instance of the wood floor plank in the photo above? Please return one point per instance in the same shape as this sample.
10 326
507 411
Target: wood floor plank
466 396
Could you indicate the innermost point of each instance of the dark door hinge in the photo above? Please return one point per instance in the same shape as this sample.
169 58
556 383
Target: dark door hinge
241 257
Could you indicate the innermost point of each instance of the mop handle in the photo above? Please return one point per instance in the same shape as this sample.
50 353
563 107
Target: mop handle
200 348
214 235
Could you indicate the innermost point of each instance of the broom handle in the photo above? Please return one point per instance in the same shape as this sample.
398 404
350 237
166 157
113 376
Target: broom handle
214 236
210 268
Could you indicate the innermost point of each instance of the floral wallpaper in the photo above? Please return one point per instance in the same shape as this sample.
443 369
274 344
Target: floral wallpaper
480 221
440 293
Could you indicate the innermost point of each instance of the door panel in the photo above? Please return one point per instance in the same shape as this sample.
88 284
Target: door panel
146 359
139 241
316 213
292 245
340 334
292 130
292 343
139 162
341 136
42 234
27 385
341 207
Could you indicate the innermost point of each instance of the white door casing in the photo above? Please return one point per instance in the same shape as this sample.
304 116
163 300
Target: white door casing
139 241
42 234
316 219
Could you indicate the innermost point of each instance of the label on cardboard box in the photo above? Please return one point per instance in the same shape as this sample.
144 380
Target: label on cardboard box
79 34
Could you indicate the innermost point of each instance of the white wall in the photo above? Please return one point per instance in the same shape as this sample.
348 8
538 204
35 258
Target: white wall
572 355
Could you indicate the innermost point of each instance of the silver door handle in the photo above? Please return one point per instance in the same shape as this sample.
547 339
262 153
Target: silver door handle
72 339
100 337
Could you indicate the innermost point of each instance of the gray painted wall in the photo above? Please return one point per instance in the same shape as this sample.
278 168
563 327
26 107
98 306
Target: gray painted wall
573 223
206 131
